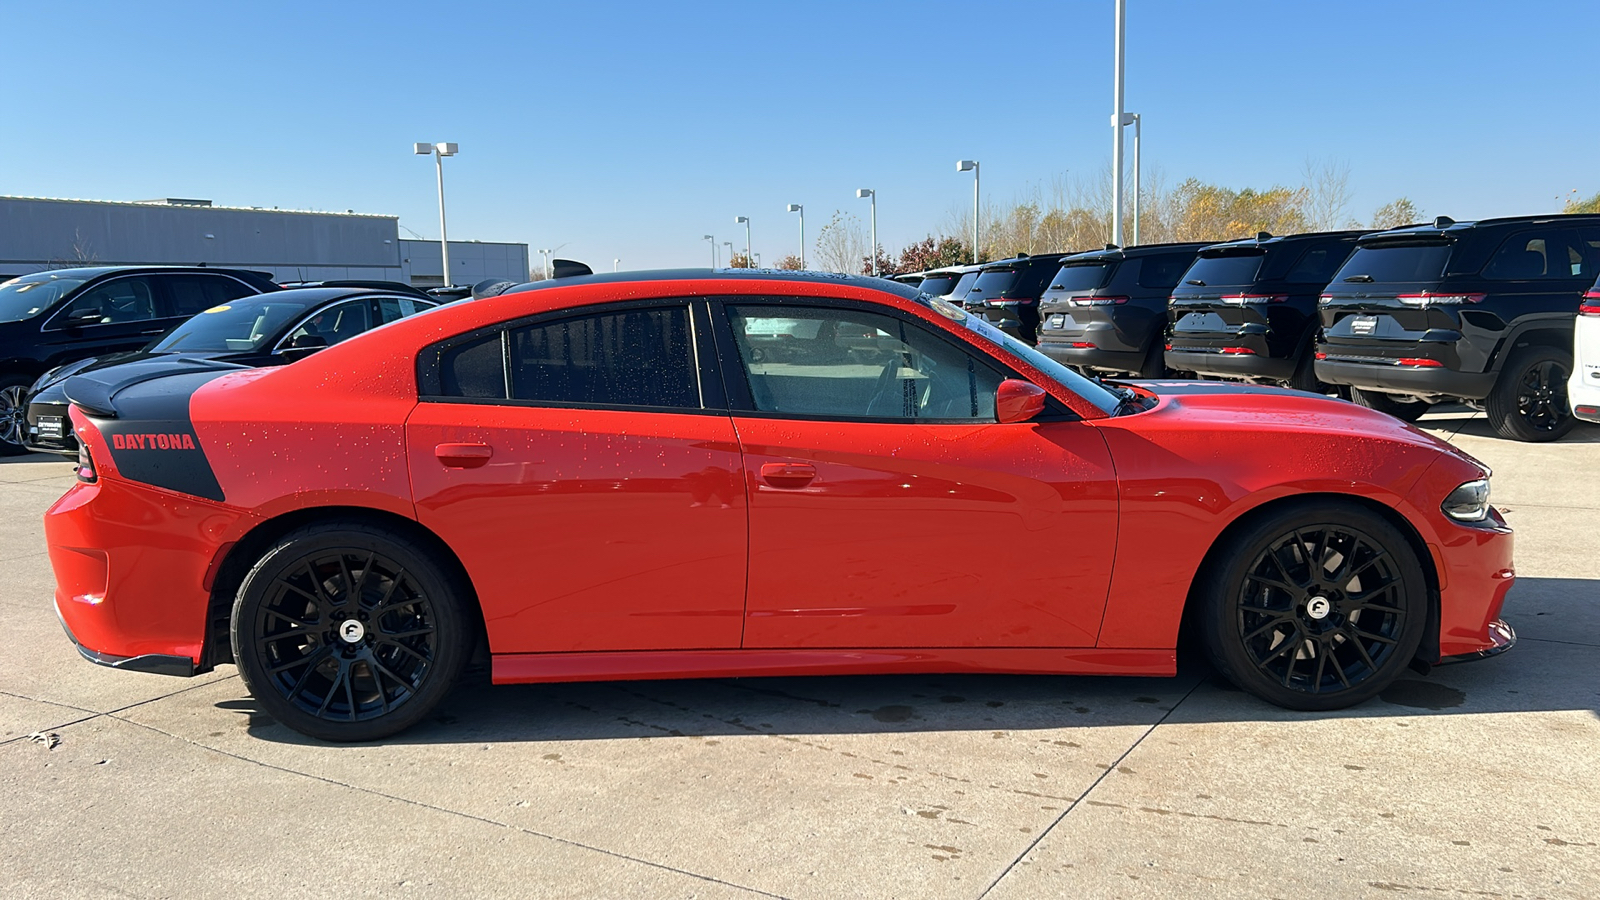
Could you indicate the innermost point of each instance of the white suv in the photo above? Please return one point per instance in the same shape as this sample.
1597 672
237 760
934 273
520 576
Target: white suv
1583 388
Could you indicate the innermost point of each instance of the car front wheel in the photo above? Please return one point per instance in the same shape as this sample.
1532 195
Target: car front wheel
1314 607
13 414
349 632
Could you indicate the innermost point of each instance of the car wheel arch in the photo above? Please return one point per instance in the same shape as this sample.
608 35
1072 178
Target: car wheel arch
235 559
1188 630
1554 332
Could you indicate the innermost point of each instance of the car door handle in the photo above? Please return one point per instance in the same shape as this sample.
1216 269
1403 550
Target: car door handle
463 456
788 475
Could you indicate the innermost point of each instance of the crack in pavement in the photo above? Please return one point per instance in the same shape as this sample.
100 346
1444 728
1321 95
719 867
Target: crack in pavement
92 715
1074 805
447 811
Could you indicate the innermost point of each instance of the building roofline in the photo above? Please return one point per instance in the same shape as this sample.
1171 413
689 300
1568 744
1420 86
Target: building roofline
146 204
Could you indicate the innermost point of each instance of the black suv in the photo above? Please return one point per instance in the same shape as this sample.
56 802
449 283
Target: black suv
1007 292
59 316
1480 312
1248 309
1107 309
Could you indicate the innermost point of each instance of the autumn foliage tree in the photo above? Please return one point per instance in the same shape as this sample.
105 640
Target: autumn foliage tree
791 263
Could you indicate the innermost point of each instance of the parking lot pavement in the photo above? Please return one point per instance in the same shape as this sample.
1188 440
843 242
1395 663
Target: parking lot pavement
1476 780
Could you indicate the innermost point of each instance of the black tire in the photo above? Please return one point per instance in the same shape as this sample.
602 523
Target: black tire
13 413
1261 599
1404 410
1305 373
1529 400
1155 360
350 632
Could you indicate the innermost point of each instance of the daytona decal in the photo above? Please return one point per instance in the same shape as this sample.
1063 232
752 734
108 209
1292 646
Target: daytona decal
152 442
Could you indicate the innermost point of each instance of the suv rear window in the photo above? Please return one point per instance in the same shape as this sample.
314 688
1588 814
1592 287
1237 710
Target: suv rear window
1081 277
993 284
1317 265
1384 263
1232 269
1162 272
938 285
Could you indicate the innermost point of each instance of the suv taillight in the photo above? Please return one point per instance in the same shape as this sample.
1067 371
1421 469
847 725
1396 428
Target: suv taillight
1242 299
1098 301
1591 304
85 470
1428 298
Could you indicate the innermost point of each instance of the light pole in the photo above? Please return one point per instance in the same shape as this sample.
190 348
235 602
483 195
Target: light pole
745 221
729 245
1116 130
713 241
971 165
757 260
546 255
873 195
439 152
1137 127
615 263
797 208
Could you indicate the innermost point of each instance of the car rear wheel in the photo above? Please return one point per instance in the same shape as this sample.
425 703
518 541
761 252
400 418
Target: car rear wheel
13 414
349 632
1405 410
1529 400
1315 607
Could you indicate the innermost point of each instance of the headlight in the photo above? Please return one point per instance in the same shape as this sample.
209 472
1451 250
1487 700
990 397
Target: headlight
1469 502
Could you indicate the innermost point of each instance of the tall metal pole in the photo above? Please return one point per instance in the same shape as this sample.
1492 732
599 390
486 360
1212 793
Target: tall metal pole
713 240
975 212
1116 131
1137 127
444 238
802 237
749 258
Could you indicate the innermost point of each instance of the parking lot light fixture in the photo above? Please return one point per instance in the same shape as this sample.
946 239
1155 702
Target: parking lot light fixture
971 165
615 263
729 245
713 240
1133 119
439 152
546 255
745 221
797 208
873 196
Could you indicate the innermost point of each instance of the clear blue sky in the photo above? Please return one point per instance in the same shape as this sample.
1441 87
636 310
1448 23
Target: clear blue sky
630 130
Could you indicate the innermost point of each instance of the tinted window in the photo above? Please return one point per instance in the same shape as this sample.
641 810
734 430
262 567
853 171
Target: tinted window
962 286
192 294
1317 265
1076 278
391 309
1232 270
27 296
119 300
1531 254
474 369
1395 262
243 326
845 363
1162 272
339 322
633 358
992 285
938 285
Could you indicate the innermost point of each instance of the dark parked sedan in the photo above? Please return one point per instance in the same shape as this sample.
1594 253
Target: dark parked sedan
268 330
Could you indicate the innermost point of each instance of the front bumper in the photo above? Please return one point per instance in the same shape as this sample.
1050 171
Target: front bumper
1502 638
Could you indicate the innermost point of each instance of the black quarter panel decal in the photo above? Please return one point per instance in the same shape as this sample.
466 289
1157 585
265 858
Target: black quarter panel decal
151 437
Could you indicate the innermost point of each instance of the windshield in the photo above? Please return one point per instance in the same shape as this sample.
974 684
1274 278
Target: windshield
1233 270
1391 262
939 285
1103 399
27 296
1077 278
993 284
239 327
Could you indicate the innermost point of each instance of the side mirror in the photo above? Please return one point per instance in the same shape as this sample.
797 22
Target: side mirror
89 316
309 342
1018 401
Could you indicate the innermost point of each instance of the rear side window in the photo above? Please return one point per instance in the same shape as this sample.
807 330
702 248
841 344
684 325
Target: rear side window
1385 263
474 369
391 309
1317 265
1533 255
194 294
632 358
1162 272
1231 270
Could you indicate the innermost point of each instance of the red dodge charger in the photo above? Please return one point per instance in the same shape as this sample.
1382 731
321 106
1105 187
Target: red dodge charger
690 474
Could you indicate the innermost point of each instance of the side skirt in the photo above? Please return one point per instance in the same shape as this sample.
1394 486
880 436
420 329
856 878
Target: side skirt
518 668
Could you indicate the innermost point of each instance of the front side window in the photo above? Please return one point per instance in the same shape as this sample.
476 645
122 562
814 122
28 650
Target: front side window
632 358
120 300
337 323
845 363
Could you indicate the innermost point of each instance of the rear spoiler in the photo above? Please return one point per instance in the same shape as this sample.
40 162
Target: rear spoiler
96 392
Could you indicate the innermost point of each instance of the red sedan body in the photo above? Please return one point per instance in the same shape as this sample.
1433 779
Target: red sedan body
607 542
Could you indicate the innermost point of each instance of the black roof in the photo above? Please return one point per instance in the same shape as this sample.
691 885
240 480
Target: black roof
1137 250
1444 225
88 272
1028 259
1272 239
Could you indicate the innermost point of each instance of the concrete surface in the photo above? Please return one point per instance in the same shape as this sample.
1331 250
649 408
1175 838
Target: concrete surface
1478 780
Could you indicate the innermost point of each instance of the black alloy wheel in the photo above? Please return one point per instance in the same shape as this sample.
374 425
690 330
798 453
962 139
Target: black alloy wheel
1529 401
13 414
348 633
1321 608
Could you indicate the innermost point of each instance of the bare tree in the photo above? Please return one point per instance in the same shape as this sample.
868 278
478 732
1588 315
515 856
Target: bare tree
1327 194
840 244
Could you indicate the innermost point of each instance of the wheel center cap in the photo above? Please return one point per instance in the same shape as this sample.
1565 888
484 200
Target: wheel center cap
351 632
1318 608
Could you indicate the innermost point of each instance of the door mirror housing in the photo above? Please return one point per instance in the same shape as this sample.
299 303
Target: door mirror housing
82 317
1018 401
